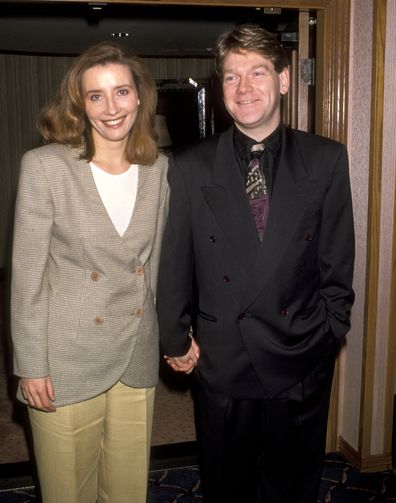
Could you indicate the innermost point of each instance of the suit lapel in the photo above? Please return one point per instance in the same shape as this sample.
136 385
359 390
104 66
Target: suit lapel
227 199
291 195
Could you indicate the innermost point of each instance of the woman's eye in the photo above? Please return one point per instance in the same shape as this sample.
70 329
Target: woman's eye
123 92
94 97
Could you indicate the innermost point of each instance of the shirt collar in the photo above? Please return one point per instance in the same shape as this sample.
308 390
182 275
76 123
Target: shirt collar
243 143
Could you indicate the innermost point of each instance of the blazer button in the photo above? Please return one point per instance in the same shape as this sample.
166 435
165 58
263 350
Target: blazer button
138 312
298 272
308 237
99 320
243 316
212 239
284 312
138 270
226 278
95 276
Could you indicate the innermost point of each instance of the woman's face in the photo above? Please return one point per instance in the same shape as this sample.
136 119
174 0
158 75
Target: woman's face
111 102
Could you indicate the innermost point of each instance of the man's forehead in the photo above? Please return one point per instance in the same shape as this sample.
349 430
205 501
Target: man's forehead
252 58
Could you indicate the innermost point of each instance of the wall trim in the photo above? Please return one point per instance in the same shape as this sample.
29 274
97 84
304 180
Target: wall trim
391 349
371 463
373 229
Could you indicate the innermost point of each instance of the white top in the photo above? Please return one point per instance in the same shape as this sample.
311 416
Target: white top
118 194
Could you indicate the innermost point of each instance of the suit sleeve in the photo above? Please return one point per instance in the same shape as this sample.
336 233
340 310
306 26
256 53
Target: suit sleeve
337 249
29 284
176 271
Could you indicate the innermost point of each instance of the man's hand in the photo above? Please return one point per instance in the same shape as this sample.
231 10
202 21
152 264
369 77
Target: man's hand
39 393
185 363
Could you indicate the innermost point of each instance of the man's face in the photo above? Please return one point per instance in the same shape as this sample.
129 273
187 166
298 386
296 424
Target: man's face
252 90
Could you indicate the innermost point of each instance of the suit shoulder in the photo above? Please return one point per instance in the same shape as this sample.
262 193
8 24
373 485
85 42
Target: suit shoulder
314 141
161 163
51 154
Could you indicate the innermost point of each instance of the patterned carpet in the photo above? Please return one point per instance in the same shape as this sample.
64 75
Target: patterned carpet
341 483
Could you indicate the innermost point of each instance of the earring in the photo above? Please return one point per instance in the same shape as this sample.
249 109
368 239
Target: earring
138 101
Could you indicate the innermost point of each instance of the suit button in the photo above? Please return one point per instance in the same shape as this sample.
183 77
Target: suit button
138 312
243 316
298 272
284 312
308 237
99 320
226 278
138 270
212 239
95 276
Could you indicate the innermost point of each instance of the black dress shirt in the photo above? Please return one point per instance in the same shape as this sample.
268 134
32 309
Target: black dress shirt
269 160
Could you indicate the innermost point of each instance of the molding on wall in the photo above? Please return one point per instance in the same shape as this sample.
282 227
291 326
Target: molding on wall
375 463
391 349
373 230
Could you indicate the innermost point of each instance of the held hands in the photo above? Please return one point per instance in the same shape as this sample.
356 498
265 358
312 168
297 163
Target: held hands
185 363
39 393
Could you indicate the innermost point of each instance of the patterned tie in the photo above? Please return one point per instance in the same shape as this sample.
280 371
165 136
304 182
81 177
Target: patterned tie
256 189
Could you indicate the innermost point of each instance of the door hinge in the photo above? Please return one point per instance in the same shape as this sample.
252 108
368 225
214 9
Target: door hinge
307 71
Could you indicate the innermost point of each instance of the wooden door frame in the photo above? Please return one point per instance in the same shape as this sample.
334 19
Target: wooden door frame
332 65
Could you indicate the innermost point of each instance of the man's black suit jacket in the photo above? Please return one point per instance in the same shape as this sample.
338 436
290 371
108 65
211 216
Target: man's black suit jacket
273 309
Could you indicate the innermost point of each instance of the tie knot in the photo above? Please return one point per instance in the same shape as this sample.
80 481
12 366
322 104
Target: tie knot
256 150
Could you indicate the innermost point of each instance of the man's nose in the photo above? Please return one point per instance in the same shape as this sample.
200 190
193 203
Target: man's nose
244 84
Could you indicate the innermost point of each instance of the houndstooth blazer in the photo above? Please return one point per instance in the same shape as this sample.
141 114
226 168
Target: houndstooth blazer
82 303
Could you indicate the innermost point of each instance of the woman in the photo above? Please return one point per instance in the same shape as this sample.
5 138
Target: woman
89 218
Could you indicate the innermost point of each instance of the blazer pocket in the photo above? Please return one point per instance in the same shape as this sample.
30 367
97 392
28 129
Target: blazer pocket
206 316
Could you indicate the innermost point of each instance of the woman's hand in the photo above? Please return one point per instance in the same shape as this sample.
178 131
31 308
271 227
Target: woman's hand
187 362
39 393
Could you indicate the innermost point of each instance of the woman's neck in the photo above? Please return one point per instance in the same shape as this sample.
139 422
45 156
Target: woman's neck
111 157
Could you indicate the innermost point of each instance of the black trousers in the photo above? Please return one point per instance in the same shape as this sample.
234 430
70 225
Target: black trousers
261 450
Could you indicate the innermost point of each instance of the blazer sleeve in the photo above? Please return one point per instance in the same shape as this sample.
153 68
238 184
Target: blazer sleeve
337 248
176 271
29 284
155 254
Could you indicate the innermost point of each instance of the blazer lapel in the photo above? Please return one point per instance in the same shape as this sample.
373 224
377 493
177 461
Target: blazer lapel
97 204
143 203
227 199
289 201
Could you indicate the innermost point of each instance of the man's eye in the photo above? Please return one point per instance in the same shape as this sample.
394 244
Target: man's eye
229 78
261 73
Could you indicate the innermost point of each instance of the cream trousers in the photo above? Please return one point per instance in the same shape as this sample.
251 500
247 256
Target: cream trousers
96 450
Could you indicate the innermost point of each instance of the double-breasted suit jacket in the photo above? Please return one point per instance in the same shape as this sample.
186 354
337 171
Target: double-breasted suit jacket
270 310
82 296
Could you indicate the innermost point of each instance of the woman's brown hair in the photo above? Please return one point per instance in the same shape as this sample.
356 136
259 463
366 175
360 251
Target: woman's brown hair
64 120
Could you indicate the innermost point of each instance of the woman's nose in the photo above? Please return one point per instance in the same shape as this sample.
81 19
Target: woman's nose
111 106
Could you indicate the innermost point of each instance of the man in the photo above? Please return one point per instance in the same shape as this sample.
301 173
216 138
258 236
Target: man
258 257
